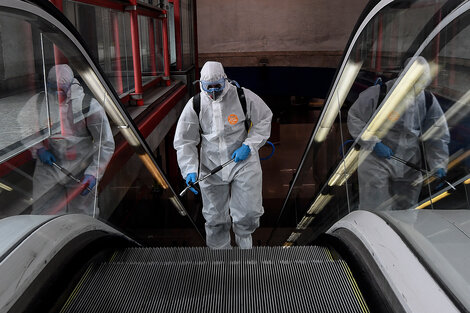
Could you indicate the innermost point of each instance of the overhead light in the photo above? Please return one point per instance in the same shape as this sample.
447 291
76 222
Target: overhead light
348 76
319 203
459 110
467 181
287 245
412 83
433 200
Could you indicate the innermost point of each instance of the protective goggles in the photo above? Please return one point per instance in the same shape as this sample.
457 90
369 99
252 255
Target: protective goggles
213 86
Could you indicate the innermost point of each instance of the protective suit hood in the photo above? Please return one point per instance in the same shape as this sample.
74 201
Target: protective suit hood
211 72
60 76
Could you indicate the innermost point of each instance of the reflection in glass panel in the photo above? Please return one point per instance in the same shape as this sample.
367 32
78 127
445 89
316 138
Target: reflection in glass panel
64 139
377 96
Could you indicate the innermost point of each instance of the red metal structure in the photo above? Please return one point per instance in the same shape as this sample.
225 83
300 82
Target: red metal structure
135 9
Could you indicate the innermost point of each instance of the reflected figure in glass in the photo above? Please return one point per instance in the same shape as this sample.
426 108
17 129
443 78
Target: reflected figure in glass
386 182
78 147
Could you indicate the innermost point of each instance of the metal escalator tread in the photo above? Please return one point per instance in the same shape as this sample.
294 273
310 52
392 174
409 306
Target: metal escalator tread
268 279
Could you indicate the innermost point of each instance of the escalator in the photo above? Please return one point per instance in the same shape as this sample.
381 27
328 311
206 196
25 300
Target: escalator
264 279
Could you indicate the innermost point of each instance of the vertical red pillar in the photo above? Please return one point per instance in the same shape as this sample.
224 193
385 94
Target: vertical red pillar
153 59
117 49
166 56
137 95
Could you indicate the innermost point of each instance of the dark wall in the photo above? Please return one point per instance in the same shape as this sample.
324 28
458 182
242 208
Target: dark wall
284 81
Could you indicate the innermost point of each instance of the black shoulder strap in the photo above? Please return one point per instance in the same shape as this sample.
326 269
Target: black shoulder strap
428 99
197 104
382 94
86 104
242 98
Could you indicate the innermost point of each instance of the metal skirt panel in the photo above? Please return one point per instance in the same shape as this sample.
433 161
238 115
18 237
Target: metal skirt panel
257 280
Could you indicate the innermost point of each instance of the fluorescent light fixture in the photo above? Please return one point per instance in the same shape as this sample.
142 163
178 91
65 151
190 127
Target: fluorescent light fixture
456 113
345 169
467 181
5 187
306 220
411 84
349 74
433 200
178 205
153 169
102 96
293 237
319 203
287 244
131 138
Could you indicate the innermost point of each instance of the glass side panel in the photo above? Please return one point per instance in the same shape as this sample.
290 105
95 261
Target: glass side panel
396 128
331 160
71 148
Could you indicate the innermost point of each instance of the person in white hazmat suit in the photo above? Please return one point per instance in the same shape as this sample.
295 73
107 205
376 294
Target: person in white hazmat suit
81 142
385 183
235 190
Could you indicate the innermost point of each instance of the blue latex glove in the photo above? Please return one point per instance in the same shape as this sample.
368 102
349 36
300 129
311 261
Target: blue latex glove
382 150
192 177
46 156
440 173
241 153
90 182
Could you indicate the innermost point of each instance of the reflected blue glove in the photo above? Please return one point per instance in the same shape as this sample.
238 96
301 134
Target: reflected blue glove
241 153
382 150
440 173
90 182
46 156
192 177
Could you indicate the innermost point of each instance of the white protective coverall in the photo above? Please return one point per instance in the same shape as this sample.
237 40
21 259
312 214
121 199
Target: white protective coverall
81 142
235 190
387 183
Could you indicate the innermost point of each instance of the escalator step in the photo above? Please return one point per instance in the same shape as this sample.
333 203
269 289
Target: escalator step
185 255
247 281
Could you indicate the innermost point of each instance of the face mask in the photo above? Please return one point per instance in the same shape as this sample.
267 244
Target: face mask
213 88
